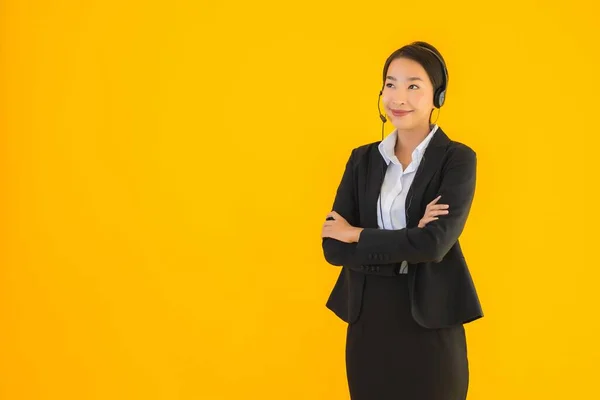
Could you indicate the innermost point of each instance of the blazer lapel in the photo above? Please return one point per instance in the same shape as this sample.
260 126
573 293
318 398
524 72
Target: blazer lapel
376 173
430 163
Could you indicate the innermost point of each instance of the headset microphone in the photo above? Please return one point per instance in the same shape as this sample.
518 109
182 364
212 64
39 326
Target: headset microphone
381 116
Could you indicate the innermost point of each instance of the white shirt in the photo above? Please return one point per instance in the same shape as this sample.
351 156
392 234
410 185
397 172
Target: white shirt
396 183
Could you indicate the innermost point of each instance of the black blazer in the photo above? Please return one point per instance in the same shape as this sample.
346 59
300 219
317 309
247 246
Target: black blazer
442 292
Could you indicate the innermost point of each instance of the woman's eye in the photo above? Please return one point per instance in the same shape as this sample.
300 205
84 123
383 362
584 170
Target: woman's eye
414 86
389 85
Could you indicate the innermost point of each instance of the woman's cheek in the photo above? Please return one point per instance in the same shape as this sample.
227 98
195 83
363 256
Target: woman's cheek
418 98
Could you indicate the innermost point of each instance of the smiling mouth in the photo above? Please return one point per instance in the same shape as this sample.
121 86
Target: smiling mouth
400 113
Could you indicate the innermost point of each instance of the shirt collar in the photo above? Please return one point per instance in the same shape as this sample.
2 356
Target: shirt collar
386 147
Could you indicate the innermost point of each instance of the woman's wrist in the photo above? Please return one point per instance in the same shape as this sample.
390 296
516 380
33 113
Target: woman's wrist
356 234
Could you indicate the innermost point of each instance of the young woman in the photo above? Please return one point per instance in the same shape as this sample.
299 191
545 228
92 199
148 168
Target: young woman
404 287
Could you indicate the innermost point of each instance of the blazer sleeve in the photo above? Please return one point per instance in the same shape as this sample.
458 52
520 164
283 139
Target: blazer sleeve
431 243
336 252
339 253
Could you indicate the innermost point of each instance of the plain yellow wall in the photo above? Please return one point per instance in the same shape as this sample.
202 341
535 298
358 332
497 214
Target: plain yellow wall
167 166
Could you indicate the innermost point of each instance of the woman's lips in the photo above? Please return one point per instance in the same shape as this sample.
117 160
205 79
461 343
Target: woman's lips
400 113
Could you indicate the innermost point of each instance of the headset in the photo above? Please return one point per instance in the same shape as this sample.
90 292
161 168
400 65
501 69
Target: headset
439 97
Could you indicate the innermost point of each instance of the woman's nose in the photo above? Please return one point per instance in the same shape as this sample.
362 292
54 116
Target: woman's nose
398 98
397 102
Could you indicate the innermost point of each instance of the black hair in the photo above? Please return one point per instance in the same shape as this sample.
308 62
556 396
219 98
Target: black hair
428 61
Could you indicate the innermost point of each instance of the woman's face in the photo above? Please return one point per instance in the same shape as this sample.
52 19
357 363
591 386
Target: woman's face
407 88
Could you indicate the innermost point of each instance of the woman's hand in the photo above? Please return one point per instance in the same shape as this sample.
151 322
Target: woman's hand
338 228
432 211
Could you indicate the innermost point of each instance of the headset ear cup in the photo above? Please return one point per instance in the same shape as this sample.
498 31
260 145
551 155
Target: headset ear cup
439 97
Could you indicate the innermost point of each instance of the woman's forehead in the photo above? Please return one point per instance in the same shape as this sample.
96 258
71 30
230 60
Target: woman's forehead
405 68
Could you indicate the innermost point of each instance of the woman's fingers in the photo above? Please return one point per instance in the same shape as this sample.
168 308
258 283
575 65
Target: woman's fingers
425 221
433 210
437 212
434 200
429 214
439 207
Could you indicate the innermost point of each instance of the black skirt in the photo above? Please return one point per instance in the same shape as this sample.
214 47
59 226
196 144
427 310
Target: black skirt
391 357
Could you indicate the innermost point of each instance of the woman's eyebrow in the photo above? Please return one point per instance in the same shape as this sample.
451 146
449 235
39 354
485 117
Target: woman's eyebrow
412 78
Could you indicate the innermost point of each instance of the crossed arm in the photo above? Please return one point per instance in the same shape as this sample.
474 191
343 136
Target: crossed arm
415 245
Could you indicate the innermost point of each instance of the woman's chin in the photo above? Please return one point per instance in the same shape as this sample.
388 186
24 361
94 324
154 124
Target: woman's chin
402 123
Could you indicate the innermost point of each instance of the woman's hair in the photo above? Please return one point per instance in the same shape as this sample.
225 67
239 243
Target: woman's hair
428 61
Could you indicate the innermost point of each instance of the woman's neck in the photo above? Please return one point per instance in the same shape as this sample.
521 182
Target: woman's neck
408 140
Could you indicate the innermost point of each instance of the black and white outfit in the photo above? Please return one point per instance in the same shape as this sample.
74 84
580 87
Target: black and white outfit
405 291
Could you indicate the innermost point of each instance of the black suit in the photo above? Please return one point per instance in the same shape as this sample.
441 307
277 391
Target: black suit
441 291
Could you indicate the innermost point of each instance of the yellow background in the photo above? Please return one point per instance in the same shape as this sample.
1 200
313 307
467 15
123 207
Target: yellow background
167 166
